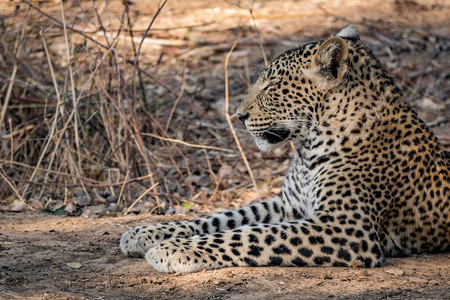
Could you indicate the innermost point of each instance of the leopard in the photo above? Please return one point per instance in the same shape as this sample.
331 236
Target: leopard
368 180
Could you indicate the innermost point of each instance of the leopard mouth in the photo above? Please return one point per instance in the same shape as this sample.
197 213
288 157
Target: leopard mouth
276 135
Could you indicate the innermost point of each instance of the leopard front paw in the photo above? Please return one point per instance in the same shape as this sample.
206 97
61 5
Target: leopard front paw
138 240
134 244
172 257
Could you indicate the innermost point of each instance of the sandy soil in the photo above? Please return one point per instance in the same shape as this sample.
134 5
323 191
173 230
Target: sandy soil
35 250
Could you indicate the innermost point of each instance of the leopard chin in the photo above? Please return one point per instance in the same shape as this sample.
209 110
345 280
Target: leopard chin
272 138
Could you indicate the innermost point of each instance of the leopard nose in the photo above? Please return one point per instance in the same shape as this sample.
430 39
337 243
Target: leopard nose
242 117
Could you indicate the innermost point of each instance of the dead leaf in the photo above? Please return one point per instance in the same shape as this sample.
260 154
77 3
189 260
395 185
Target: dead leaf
248 196
275 190
428 103
74 265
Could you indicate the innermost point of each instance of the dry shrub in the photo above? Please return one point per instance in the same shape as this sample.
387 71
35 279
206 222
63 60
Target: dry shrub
89 120
96 119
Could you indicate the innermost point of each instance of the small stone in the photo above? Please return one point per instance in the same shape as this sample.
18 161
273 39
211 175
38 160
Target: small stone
112 207
112 199
36 204
70 208
170 211
395 271
98 209
81 199
88 213
18 206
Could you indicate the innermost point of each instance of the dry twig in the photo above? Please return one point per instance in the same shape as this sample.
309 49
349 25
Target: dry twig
186 143
18 48
228 118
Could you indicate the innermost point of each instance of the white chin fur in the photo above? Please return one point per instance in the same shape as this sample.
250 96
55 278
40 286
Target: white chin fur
265 146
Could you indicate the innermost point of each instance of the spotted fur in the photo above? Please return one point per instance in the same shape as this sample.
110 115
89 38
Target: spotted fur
369 179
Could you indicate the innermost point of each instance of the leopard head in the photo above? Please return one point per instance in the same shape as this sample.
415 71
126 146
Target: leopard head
286 101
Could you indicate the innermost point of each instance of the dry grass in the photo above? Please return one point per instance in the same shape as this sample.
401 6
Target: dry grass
85 120
112 108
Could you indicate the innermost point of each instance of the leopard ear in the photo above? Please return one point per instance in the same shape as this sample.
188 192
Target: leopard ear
329 64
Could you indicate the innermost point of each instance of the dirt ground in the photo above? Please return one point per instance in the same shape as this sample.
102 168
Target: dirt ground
39 256
47 257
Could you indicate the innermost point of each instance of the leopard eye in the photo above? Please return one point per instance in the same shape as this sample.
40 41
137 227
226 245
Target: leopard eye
271 84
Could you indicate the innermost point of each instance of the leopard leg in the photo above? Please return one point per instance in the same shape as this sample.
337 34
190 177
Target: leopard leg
136 241
301 243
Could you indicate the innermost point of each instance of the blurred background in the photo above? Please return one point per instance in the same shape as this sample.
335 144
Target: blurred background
119 107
